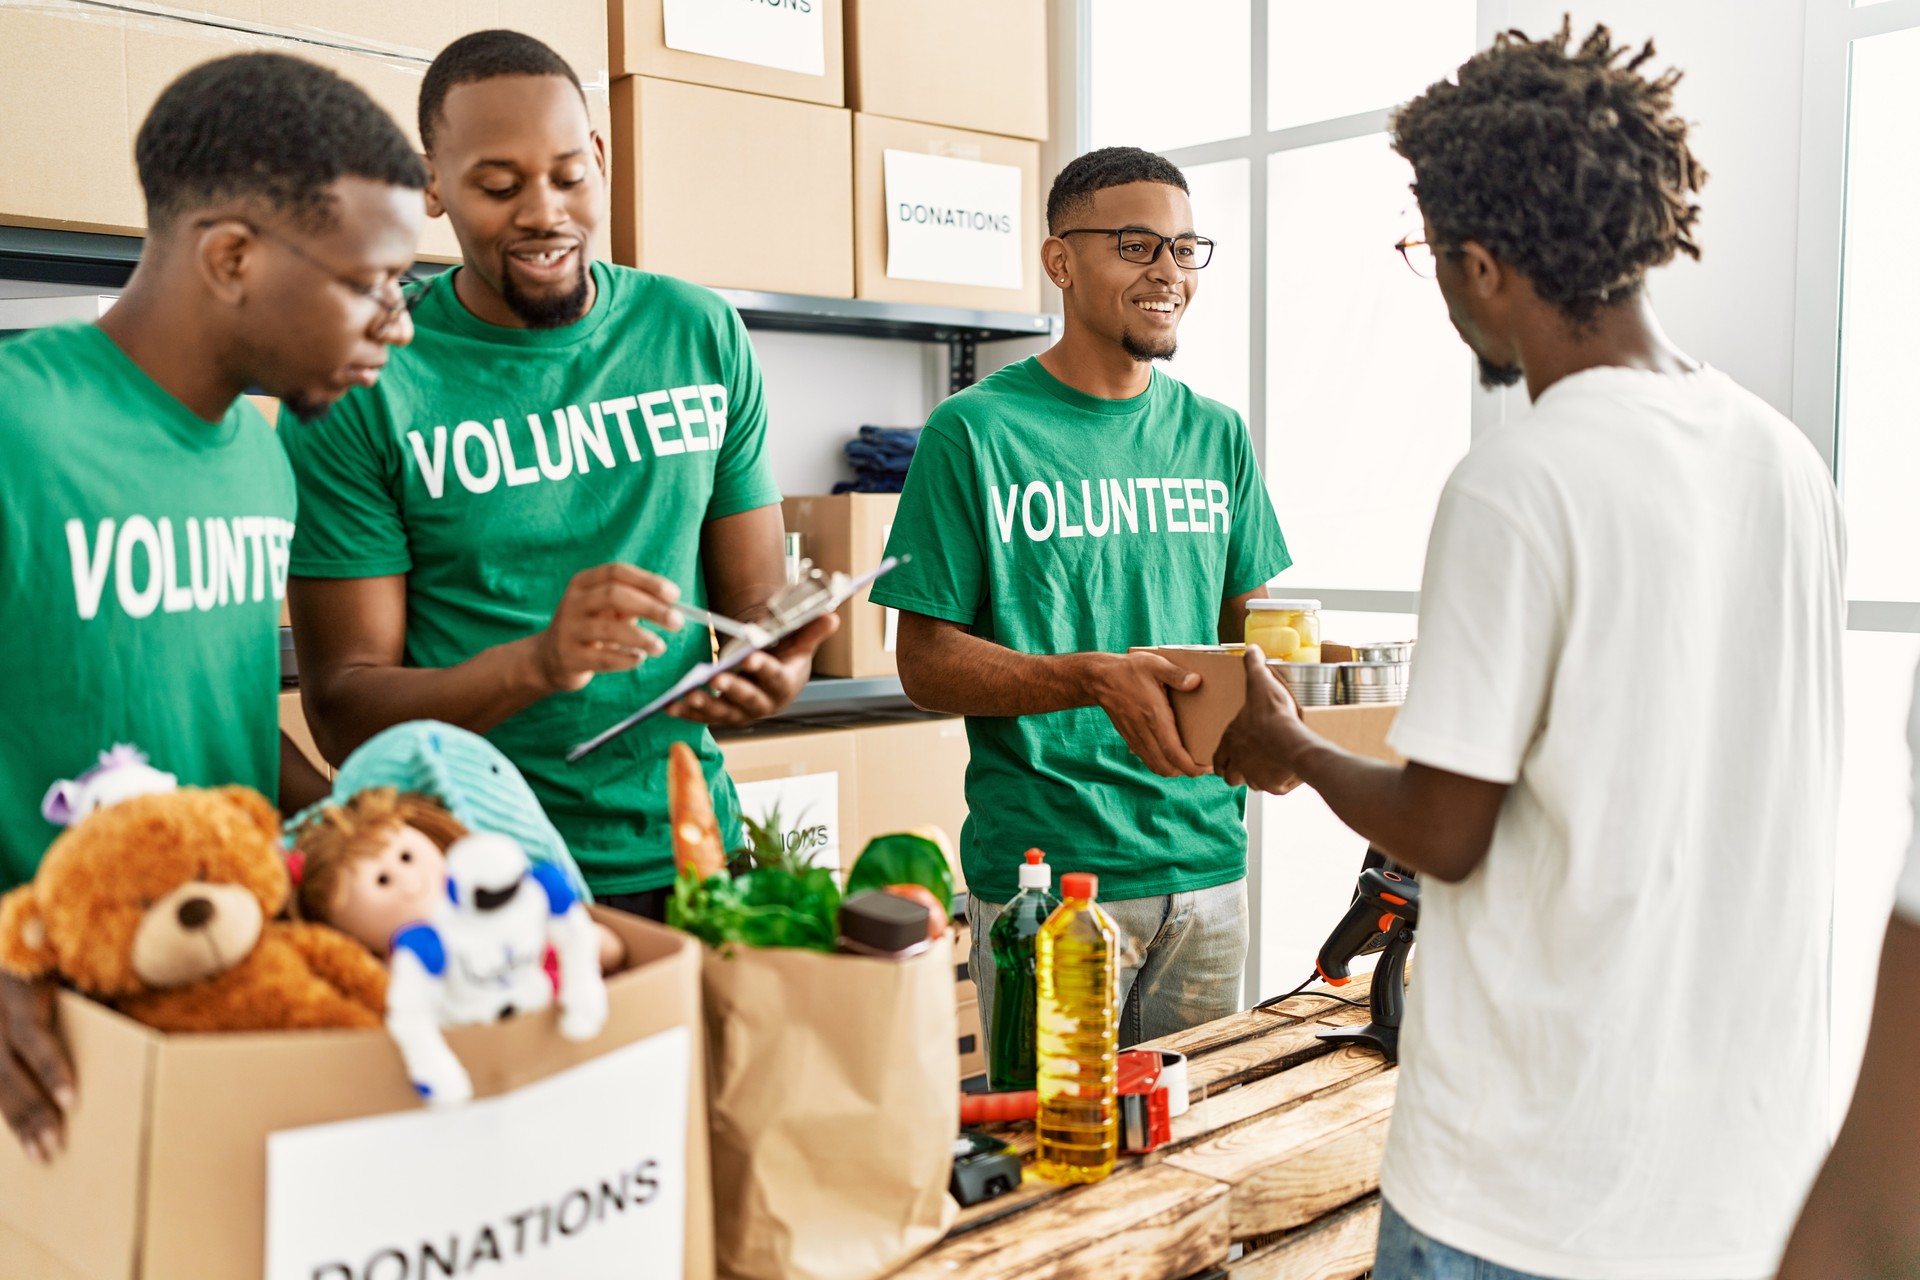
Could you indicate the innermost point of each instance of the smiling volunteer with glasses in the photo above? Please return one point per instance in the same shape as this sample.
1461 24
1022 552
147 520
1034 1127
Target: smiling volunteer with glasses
1060 511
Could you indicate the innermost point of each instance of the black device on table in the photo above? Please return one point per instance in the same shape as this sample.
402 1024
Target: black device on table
983 1167
1382 917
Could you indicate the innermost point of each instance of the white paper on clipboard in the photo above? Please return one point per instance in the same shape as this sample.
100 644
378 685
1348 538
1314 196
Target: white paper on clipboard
703 673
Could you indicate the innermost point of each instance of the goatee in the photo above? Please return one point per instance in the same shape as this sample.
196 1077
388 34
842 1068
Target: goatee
547 310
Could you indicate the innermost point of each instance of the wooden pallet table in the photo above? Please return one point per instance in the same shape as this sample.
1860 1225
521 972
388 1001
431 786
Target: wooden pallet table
1278 1155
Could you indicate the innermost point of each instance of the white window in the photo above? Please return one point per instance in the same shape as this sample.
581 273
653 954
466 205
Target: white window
1357 391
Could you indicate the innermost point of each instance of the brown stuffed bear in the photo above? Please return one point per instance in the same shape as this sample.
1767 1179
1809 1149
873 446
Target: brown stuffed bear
163 906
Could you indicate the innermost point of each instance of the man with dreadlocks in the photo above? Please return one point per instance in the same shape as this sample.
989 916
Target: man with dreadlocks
1622 733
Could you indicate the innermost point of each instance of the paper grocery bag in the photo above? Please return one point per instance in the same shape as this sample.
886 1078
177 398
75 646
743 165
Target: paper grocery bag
834 1106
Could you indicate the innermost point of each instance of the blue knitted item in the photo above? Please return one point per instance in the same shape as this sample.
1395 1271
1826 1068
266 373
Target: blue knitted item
463 771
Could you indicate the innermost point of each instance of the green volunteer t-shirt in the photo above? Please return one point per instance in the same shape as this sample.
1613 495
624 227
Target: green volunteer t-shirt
490 465
1050 521
143 556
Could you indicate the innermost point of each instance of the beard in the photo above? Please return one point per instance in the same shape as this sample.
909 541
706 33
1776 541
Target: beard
306 409
1145 352
549 310
1494 376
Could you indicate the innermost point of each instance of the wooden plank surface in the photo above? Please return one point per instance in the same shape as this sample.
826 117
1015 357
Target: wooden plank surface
1336 1247
1140 1224
1221 1032
1291 1167
1226 1108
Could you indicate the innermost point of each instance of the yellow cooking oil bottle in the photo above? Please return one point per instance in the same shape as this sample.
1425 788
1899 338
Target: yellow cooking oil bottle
1076 956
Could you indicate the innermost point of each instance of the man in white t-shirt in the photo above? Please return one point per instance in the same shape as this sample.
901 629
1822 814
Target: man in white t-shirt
1623 730
1862 1220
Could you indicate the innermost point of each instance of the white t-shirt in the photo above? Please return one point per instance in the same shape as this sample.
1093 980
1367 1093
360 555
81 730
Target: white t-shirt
1615 1058
1906 892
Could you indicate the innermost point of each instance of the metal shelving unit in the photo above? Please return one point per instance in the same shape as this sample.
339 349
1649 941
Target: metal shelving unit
90 260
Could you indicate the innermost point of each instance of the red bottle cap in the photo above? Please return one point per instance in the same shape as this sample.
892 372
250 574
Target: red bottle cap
1034 857
1080 884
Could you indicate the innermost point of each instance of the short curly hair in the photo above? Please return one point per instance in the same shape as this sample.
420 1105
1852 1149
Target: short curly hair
268 127
484 55
1566 164
1095 171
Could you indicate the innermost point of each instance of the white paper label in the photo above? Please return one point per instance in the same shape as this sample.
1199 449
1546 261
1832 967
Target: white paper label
580 1174
790 35
954 221
808 806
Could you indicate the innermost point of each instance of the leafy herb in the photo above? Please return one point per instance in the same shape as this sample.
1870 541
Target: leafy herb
780 902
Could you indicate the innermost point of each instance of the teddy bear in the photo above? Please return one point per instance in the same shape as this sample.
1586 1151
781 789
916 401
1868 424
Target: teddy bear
164 907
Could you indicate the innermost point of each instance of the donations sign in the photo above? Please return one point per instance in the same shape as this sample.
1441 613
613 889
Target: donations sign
582 1175
808 806
954 221
788 35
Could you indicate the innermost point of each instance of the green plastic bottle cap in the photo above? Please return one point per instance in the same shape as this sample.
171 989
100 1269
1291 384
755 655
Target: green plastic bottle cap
1079 884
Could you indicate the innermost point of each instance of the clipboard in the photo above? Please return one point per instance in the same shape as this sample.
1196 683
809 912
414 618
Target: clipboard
736 653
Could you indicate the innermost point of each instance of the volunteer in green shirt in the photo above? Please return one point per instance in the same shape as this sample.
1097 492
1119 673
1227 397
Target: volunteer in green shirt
566 450
145 508
1060 511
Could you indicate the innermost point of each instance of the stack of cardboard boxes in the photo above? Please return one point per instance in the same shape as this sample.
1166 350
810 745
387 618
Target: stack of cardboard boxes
80 77
761 163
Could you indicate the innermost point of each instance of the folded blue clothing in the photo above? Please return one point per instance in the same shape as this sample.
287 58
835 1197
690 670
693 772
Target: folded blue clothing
871 484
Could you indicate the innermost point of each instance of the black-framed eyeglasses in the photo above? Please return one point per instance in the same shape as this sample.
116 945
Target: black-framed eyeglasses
1420 255
388 296
1143 247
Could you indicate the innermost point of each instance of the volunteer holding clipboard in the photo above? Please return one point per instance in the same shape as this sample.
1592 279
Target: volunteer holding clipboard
498 533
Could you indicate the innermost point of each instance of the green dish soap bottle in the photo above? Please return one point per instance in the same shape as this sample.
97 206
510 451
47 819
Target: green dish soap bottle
1016 994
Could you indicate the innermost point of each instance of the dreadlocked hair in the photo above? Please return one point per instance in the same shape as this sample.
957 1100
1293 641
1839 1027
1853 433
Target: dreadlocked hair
1567 164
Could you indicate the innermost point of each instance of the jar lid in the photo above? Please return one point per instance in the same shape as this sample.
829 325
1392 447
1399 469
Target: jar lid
1294 606
883 921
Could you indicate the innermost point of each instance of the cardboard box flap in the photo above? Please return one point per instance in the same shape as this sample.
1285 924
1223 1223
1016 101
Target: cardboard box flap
85 1208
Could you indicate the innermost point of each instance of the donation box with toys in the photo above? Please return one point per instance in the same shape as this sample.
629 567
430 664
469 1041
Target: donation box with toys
262 1095
307 1155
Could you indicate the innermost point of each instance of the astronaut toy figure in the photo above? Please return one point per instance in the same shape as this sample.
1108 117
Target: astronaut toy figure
482 956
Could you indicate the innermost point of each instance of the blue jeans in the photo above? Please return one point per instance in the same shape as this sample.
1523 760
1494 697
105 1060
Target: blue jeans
1405 1254
1181 957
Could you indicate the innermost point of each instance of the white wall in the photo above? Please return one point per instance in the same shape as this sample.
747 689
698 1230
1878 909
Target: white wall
1742 60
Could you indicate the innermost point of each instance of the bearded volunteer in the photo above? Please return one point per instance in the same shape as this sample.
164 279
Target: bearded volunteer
567 447
1605 833
145 507
1060 511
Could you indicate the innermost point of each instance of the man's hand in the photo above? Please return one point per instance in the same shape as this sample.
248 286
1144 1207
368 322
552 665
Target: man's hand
1260 744
765 684
596 627
1132 689
36 1080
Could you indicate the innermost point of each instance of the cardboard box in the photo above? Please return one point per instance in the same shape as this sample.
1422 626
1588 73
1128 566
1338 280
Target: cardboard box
847 532
1204 713
873 137
971 1041
164 1175
574 29
67 159
636 31
810 777
420 28
981 65
912 774
732 190
293 723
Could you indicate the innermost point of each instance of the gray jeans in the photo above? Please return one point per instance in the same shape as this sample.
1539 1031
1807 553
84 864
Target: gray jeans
1181 957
